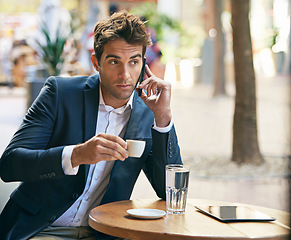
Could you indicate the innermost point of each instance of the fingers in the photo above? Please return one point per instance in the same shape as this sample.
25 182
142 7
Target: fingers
144 97
153 86
113 146
148 71
113 138
157 96
103 147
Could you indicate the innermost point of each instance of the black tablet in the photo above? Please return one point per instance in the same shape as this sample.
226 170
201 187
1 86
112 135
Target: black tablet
234 213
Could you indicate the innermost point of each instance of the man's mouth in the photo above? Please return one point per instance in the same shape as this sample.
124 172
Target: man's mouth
124 86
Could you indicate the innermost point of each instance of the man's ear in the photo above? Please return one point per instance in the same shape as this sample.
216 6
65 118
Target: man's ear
94 61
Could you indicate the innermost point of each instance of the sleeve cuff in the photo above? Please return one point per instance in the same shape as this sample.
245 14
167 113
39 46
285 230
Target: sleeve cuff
163 129
66 161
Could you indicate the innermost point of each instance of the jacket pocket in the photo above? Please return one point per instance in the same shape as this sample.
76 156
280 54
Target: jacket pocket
25 202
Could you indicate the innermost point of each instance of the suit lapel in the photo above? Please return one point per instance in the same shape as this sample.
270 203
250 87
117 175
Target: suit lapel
134 120
132 128
91 105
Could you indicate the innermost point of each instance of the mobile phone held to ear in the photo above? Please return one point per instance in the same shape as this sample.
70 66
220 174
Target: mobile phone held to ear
141 77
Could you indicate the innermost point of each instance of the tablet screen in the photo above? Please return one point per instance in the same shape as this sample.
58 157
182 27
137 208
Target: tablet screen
234 213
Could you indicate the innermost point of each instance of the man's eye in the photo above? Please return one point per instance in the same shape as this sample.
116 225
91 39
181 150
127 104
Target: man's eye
113 62
134 62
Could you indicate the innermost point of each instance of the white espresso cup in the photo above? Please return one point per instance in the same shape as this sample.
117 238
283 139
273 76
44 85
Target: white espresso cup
135 148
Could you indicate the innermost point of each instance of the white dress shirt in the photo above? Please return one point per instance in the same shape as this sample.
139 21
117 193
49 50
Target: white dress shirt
111 121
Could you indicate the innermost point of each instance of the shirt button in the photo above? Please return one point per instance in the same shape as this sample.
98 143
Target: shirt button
77 220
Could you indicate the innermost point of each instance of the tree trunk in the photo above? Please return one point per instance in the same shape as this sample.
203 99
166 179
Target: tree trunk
245 139
219 71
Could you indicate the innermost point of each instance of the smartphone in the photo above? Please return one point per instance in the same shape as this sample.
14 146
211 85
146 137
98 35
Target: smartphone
141 77
234 213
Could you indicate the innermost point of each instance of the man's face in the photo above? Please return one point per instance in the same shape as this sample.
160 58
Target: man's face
119 69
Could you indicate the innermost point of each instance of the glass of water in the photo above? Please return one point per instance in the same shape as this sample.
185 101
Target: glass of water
177 178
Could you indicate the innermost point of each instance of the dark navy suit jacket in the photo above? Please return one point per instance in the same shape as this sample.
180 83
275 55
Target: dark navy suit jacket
65 113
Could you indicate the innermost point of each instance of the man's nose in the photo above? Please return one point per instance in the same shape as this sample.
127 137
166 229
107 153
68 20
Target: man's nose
124 73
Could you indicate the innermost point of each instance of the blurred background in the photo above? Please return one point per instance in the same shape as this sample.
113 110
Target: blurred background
200 47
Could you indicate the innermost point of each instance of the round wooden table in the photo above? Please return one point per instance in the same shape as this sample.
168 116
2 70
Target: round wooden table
113 219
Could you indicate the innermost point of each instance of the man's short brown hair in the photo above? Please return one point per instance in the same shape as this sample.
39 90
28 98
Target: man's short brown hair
120 25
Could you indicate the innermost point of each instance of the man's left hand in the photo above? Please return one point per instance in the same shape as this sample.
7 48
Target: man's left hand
157 97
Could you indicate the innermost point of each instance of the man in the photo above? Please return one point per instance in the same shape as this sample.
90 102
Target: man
70 152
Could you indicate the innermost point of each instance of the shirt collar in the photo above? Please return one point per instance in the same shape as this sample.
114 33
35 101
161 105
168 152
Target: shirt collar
117 110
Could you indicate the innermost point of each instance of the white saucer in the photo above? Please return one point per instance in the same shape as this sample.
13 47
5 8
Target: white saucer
146 213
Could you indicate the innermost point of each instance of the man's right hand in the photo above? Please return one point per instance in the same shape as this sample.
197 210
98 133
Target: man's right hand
102 147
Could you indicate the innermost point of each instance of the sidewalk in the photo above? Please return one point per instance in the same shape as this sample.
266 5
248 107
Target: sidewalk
204 128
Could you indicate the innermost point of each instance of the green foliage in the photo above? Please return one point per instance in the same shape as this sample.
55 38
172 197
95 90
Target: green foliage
271 39
51 53
158 21
175 39
190 42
